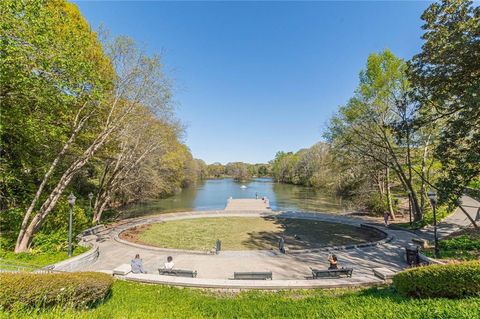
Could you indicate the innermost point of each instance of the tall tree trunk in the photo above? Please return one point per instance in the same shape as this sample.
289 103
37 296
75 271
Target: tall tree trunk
424 174
407 182
389 194
78 124
25 237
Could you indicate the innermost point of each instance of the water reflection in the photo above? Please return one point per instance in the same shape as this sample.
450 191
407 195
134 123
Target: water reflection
213 194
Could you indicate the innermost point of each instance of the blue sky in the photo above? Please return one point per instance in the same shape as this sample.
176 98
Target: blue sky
254 78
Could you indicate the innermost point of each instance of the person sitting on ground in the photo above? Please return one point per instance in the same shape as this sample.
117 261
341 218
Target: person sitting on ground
169 264
332 259
137 265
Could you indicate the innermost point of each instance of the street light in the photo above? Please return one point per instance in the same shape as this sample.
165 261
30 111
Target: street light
71 202
90 197
433 200
410 206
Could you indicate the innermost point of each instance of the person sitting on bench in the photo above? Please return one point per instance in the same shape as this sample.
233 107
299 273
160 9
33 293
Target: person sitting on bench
332 259
169 264
137 265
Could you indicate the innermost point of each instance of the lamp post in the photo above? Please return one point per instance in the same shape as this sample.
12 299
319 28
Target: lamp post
71 202
433 200
410 206
90 197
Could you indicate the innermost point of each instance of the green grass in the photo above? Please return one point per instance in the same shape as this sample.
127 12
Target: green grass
462 247
441 213
240 233
133 300
37 260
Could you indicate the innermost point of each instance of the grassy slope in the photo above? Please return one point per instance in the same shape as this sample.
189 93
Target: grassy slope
133 300
239 233
38 259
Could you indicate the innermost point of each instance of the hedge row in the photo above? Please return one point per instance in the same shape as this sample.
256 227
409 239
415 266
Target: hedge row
449 281
43 290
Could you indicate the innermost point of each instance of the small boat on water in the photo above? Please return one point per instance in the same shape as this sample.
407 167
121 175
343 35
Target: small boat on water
243 186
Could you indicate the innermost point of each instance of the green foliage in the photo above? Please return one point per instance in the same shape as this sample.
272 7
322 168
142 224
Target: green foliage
462 247
10 221
309 167
52 63
446 81
37 258
463 242
58 219
238 170
134 300
78 290
376 204
442 212
445 281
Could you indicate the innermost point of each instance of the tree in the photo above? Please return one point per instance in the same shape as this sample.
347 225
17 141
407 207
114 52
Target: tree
238 170
216 170
446 81
142 136
366 125
139 81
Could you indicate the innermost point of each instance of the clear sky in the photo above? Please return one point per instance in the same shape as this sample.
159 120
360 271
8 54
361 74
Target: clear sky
254 78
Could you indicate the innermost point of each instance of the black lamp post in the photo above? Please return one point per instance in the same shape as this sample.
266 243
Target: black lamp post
433 200
90 197
71 202
410 206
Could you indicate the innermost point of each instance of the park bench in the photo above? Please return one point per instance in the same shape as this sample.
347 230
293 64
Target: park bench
178 272
332 273
252 275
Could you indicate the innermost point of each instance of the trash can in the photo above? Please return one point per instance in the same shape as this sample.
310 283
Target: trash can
413 259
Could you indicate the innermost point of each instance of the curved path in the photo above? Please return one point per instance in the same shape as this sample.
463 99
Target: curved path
291 269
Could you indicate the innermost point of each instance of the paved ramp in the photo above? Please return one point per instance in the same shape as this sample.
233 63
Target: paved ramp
248 204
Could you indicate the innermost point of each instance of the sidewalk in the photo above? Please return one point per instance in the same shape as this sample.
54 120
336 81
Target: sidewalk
455 221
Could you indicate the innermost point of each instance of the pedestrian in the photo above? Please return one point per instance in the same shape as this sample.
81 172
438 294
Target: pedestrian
385 218
256 195
281 245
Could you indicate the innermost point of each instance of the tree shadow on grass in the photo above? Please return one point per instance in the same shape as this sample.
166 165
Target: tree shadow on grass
307 234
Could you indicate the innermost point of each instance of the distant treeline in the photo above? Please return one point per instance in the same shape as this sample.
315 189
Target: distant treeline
238 170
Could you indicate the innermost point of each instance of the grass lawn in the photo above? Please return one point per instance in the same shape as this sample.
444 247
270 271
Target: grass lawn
134 300
36 260
240 233
463 245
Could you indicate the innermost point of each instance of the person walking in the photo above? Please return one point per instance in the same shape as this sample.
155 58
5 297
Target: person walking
386 215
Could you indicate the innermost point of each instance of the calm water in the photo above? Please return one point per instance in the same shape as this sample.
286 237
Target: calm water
212 194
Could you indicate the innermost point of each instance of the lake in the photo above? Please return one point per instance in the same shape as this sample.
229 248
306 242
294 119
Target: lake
212 194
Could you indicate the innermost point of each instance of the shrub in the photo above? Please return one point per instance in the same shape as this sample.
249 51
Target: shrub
450 281
43 290
376 204
463 242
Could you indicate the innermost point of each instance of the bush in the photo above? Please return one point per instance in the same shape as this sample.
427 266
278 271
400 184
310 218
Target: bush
376 204
463 242
44 290
449 281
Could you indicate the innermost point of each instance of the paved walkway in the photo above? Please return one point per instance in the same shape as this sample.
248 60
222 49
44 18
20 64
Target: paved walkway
455 221
249 204
290 266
